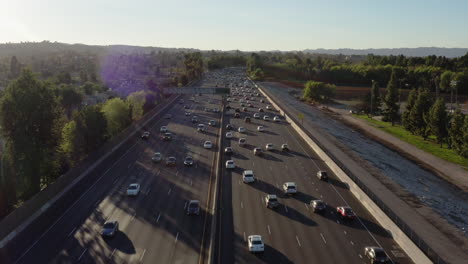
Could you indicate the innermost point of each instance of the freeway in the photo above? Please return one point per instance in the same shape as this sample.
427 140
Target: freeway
153 225
292 232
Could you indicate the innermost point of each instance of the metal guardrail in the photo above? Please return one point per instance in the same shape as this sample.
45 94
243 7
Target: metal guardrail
431 254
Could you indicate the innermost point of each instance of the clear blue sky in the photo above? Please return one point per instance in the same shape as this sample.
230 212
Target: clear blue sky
239 24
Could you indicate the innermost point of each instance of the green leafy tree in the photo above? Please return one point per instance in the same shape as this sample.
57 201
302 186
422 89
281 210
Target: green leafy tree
72 142
15 67
318 91
64 77
420 109
136 101
375 98
69 98
408 125
391 99
30 118
445 79
118 116
83 76
464 149
455 130
437 120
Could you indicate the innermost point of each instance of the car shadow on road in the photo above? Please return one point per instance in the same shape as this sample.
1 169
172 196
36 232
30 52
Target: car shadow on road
267 156
270 255
367 225
270 133
338 183
300 196
121 242
237 155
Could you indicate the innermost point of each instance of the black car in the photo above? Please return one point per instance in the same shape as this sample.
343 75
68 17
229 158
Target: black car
171 161
228 107
110 228
318 206
237 115
188 161
167 136
260 110
193 207
228 150
237 110
145 135
228 127
247 119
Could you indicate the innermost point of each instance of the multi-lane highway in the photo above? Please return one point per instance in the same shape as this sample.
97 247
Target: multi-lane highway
154 227
292 232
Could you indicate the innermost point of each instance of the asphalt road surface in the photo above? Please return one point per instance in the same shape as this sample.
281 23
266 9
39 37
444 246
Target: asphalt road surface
292 233
154 227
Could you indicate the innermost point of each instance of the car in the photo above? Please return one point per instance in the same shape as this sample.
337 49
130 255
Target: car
215 110
268 107
157 157
181 101
188 161
251 105
241 130
345 212
212 123
228 107
229 135
269 146
242 105
255 243
207 109
200 127
194 119
186 107
110 228
193 207
260 110
187 113
260 128
236 115
163 129
290 188
266 118
168 116
208 144
145 135
284 147
322 175
244 109
276 119
248 176
133 189
376 255
258 151
271 201
230 164
171 161
247 119
229 127
262 101
167 136
237 110
256 116
318 206
228 150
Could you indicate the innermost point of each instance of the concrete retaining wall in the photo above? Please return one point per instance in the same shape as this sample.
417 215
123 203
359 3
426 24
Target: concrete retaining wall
398 235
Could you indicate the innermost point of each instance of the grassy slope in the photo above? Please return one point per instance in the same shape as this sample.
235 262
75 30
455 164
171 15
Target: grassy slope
429 145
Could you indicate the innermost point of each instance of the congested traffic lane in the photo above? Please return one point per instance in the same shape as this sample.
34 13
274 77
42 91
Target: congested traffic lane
153 225
293 233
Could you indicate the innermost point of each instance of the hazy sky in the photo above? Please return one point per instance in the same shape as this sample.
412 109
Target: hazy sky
239 24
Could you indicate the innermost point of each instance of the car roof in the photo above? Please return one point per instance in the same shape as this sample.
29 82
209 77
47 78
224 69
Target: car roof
290 183
134 184
255 237
194 201
272 196
248 171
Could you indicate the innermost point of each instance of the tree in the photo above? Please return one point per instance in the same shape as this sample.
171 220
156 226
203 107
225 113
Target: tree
64 77
72 142
30 116
136 101
15 67
456 133
420 109
445 79
69 98
375 98
83 76
365 104
318 91
437 120
406 120
118 116
391 99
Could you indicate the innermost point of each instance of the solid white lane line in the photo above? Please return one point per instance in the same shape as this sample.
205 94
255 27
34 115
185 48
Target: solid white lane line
269 231
115 181
360 255
185 205
169 192
323 238
298 242
142 254
159 216
286 208
352 243
307 207
69 234
344 231
84 251
177 237
113 252
242 205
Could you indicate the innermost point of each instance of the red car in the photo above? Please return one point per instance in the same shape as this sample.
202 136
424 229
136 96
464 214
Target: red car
345 212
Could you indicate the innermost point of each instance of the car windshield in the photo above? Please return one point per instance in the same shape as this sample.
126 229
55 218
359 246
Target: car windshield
193 205
109 225
257 242
380 254
291 187
132 187
273 200
348 211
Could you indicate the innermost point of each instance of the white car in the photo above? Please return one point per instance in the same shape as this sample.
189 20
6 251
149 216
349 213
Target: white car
212 123
133 189
261 128
256 116
163 129
266 118
248 176
255 243
157 157
276 119
290 188
208 144
241 130
230 164
201 127
268 107
229 135
269 146
242 141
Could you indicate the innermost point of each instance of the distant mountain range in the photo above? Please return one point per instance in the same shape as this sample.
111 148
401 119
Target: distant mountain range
410 52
